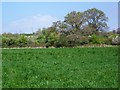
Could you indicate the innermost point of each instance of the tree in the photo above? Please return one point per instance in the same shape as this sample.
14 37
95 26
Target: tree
43 37
9 40
73 40
87 31
4 41
74 19
60 27
48 37
22 41
96 19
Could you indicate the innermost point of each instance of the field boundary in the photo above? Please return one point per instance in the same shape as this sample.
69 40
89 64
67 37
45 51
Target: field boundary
86 46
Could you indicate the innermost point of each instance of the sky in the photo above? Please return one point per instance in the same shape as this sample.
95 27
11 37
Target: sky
28 17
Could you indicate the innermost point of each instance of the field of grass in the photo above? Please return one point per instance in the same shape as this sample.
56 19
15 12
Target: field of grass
60 68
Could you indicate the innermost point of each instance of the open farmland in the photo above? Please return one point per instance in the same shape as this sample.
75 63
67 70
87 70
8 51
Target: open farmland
60 67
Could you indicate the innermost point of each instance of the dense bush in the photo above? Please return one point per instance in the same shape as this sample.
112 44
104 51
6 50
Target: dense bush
116 41
97 39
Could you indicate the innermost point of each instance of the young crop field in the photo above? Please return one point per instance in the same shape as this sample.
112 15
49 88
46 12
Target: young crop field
60 68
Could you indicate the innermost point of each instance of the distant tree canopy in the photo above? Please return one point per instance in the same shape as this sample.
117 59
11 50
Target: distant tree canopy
77 28
74 19
96 19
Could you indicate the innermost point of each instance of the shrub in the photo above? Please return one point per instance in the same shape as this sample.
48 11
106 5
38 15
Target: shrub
84 40
116 41
97 39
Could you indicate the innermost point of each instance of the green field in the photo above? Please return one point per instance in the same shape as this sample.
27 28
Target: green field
60 67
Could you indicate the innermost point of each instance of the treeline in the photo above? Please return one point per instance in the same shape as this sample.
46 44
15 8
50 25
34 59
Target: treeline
78 28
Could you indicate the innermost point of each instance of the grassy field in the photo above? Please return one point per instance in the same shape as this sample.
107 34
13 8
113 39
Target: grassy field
60 67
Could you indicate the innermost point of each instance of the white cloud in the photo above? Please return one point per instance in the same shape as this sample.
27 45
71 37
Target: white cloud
29 24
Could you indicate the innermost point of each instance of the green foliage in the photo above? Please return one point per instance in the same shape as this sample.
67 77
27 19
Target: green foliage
61 41
8 42
97 39
22 41
74 19
116 41
17 40
73 40
96 19
84 40
60 68
48 37
31 40
88 31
